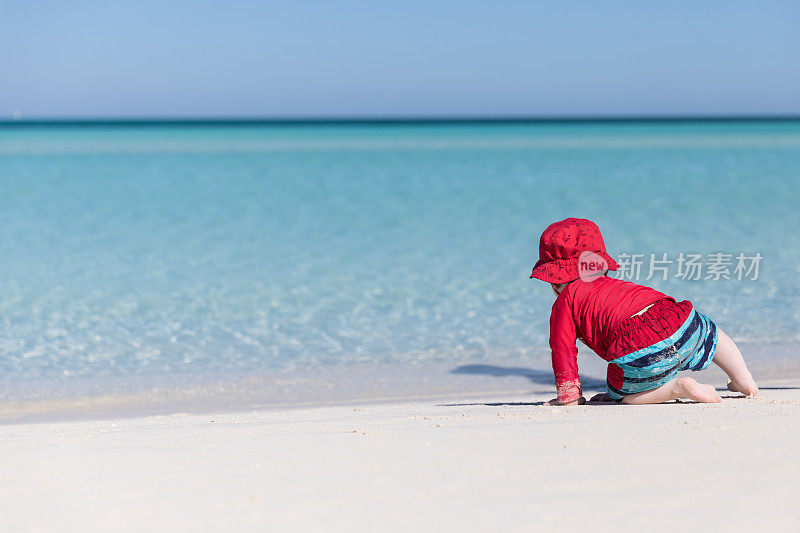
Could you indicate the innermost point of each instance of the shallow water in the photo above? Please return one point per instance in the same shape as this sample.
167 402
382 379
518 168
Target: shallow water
203 250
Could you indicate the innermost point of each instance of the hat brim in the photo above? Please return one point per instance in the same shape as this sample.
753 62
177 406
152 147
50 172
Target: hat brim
565 270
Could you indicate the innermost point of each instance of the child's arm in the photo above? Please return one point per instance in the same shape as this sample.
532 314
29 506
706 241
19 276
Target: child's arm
563 338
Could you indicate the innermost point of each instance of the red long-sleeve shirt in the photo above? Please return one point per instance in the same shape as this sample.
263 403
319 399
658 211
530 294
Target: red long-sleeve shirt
591 312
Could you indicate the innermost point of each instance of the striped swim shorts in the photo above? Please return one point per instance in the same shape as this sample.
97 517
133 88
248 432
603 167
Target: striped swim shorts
691 347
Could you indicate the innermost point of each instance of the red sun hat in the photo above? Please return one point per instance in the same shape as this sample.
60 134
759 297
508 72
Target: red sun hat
561 246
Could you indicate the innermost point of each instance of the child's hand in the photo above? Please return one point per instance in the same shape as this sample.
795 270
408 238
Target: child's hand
579 401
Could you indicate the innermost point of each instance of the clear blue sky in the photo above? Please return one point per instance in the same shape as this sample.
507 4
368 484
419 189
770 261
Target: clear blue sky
149 58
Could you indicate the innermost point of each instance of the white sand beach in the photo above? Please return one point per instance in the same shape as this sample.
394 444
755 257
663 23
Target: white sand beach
488 463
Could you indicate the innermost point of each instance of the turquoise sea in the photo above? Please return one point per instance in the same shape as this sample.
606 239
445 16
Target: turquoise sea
167 251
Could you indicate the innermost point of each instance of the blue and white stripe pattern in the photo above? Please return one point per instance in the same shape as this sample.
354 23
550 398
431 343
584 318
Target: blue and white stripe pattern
691 347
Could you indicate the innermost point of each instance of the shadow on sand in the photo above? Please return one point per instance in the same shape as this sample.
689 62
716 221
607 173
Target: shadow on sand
491 404
725 389
540 377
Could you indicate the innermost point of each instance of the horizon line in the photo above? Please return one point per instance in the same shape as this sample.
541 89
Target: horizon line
386 120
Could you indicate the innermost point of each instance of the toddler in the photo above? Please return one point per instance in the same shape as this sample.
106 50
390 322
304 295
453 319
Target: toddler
645 336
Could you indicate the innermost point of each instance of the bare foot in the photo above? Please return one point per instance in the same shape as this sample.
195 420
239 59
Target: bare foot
689 388
750 390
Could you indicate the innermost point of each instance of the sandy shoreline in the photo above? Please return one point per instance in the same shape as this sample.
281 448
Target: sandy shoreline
481 463
138 396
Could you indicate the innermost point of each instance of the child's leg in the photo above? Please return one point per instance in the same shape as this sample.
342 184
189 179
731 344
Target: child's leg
672 390
731 361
